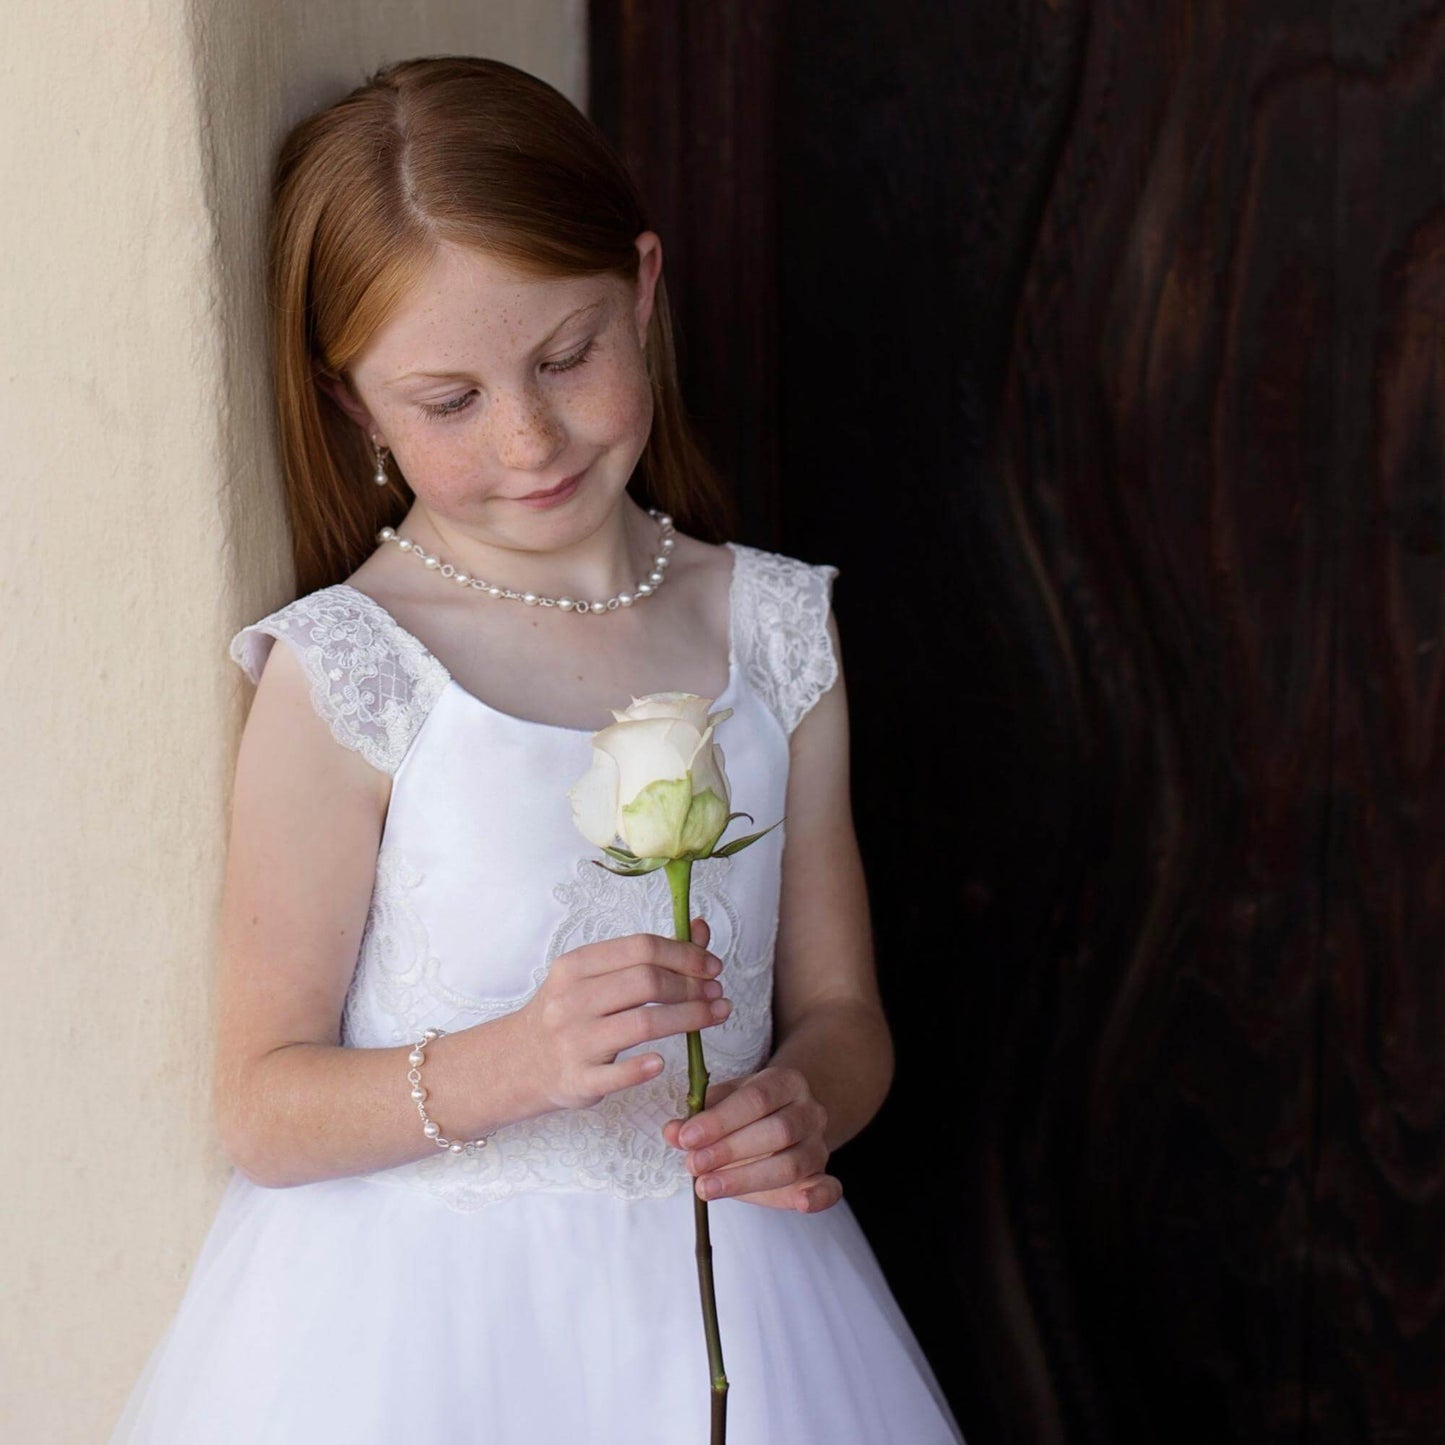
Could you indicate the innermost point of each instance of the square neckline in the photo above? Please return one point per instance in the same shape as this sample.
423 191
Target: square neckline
513 718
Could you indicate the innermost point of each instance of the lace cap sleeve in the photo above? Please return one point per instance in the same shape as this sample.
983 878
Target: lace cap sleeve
782 621
371 681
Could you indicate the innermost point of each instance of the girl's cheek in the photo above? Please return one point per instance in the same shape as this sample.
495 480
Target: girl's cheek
442 466
620 404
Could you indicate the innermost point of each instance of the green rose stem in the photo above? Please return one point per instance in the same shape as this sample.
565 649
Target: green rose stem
679 879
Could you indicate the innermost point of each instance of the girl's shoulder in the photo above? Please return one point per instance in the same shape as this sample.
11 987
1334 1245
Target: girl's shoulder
370 680
780 576
781 606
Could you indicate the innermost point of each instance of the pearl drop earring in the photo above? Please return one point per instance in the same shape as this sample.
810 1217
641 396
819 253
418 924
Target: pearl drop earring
380 452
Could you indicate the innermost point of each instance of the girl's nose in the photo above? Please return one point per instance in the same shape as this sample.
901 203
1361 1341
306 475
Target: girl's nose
526 434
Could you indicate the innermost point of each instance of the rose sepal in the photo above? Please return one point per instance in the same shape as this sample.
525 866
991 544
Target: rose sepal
632 865
635 867
738 844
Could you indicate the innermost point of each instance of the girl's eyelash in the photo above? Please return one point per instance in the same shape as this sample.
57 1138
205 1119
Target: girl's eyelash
448 408
461 403
576 359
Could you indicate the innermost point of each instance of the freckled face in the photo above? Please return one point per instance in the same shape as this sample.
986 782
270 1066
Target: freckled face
487 385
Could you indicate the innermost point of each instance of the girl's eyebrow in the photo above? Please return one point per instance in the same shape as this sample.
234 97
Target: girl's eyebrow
463 375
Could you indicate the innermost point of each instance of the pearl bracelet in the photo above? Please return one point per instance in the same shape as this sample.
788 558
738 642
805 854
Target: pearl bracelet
433 1132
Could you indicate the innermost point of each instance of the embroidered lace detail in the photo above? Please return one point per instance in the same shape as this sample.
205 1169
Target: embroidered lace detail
371 681
780 619
615 1147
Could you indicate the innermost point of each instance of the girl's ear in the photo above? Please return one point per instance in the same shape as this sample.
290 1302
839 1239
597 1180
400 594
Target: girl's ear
336 388
649 267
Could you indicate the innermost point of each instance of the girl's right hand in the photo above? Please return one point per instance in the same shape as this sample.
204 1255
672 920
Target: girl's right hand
595 1002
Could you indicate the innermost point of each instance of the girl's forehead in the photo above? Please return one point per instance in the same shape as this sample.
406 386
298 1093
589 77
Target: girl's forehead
465 299
460 273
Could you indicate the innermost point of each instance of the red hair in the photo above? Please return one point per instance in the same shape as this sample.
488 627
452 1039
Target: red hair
458 149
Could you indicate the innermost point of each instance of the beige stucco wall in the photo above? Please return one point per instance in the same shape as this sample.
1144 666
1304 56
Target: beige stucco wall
144 525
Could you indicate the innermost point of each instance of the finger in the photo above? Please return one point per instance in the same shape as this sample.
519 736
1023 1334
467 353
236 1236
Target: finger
777 1171
715 1094
625 1073
689 958
807 1196
615 955
701 933
611 993
616 1032
755 1098
821 1191
792 1124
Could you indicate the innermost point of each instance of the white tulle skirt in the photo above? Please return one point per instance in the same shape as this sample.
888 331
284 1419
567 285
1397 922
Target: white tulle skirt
348 1311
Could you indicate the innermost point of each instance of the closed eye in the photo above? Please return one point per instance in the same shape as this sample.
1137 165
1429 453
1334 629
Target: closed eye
457 404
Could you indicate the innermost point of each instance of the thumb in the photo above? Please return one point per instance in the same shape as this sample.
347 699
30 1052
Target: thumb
701 933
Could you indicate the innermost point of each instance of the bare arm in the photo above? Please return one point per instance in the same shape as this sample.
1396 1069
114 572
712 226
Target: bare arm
828 1014
766 1138
291 1104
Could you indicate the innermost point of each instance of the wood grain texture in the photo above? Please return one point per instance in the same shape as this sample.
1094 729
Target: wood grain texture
1105 359
686 93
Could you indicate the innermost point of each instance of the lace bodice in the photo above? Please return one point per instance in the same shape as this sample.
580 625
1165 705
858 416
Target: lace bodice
482 879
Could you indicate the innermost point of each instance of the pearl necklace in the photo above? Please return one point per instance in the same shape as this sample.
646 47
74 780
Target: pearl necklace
644 588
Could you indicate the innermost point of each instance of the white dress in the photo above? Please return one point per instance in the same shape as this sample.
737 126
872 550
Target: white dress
543 1291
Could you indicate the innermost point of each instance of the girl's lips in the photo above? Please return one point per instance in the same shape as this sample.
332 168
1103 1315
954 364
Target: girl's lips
558 494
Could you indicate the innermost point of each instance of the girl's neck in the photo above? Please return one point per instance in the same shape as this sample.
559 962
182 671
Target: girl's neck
609 560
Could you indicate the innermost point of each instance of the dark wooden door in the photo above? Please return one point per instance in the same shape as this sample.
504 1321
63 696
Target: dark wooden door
1102 346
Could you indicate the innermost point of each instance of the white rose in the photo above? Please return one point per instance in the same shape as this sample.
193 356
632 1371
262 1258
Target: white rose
657 779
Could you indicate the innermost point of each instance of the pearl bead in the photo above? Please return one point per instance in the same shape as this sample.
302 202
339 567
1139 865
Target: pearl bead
644 588
418 1094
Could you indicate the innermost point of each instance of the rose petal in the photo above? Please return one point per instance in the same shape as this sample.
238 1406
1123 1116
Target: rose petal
706 820
647 750
594 800
706 768
682 706
652 823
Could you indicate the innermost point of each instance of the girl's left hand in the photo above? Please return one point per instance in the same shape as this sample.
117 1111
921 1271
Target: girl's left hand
761 1139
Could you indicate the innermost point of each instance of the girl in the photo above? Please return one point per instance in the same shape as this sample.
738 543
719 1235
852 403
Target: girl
451 1060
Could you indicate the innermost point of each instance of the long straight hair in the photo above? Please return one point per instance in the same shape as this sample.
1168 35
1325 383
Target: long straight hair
459 149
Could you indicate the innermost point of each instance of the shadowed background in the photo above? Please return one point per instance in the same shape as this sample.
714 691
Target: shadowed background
1100 346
